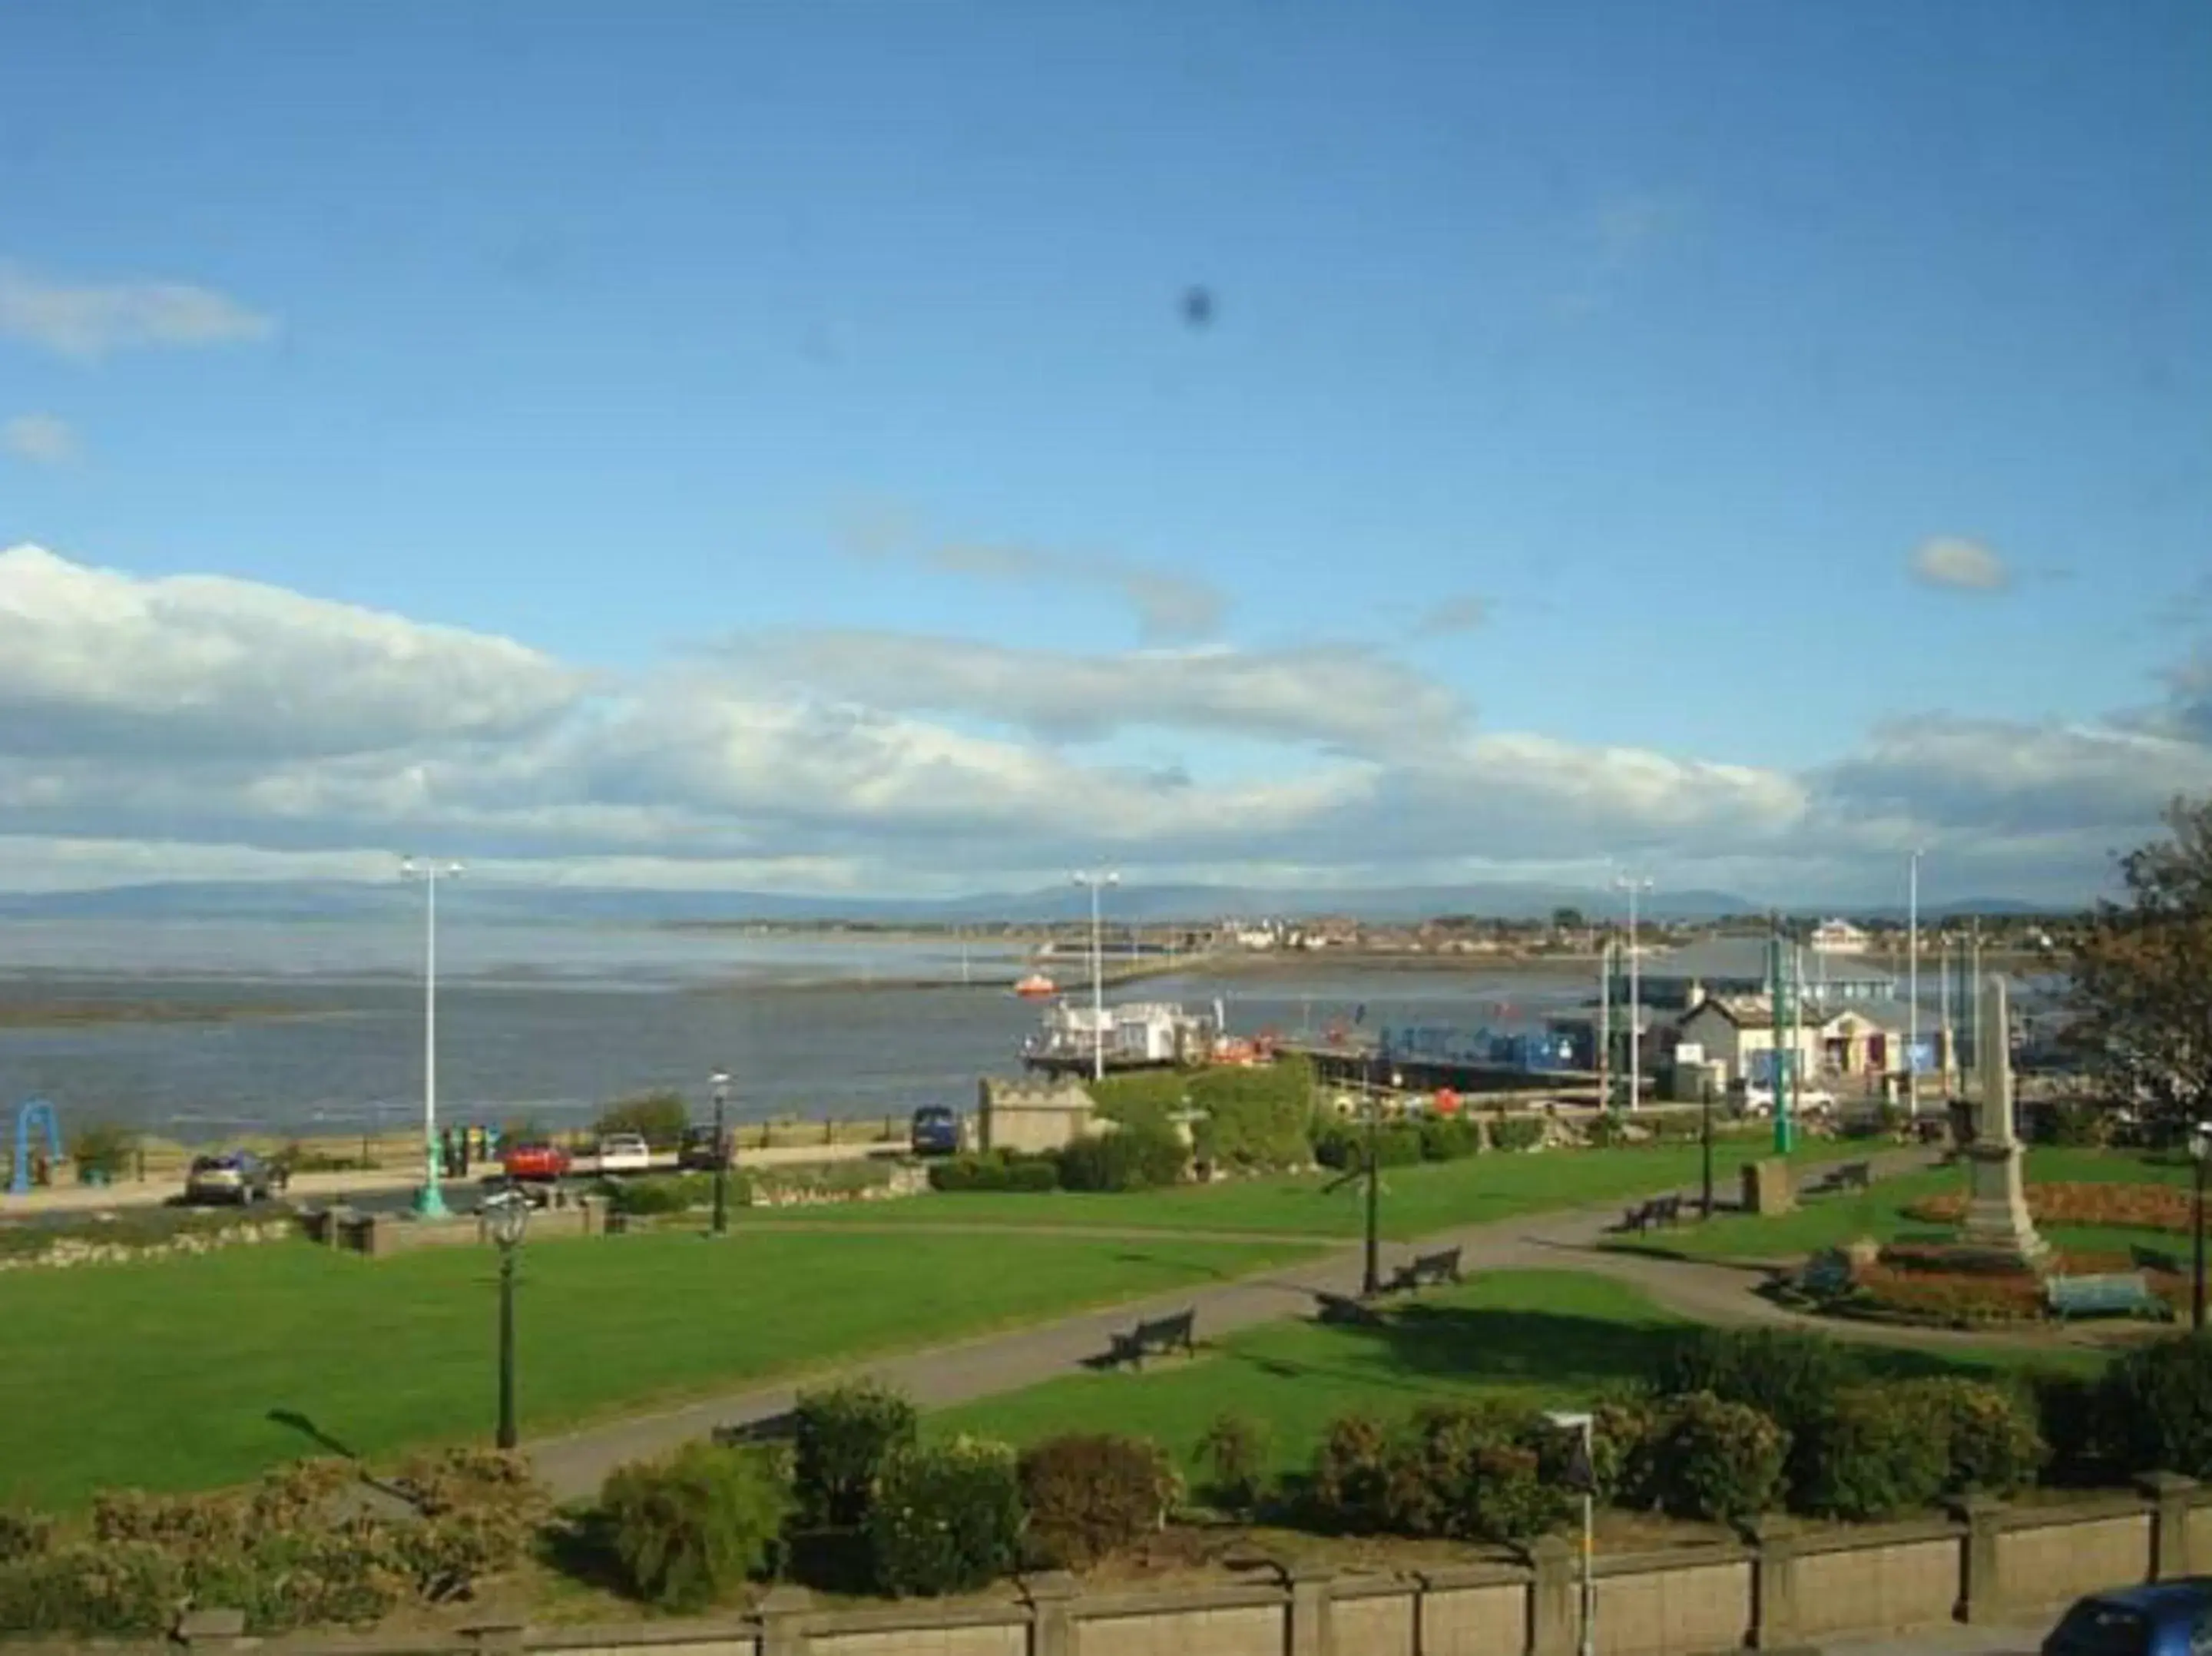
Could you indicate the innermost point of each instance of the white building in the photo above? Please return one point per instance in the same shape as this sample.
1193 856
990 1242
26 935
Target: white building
1135 1032
1839 937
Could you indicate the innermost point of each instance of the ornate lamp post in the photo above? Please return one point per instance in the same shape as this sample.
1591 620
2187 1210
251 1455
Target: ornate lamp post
508 1217
1581 1478
719 1082
2200 1153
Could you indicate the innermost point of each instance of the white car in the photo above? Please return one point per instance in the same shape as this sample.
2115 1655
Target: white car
625 1152
1805 1100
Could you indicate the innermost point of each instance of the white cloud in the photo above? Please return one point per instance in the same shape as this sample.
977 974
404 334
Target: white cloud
209 727
1959 565
41 439
94 661
88 321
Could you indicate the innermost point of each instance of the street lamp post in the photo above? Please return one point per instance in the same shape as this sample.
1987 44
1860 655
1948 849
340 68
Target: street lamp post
719 1082
509 1215
431 1203
1912 990
2200 1153
1635 888
1705 1140
1583 1477
1097 880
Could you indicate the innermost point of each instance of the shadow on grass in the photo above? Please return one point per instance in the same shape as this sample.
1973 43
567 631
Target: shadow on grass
296 1422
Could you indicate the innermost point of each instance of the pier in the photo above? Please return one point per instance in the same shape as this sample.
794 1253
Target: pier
1365 1065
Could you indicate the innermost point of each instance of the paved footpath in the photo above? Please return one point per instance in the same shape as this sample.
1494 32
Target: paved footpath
942 1376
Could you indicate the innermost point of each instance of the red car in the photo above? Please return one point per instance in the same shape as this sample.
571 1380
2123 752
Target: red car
534 1161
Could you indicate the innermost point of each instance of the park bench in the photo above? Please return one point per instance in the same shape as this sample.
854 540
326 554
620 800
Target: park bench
1851 1176
2117 1293
1427 1269
1660 1210
1160 1335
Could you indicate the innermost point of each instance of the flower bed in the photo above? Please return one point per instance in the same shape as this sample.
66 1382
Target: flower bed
1934 1284
114 1239
2138 1207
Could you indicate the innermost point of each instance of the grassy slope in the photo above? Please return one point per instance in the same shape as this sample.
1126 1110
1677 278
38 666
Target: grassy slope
1828 1221
1417 1200
165 1374
1553 1338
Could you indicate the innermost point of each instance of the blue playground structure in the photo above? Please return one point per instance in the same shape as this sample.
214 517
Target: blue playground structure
36 1110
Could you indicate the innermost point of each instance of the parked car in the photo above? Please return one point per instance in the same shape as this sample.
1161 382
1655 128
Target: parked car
238 1175
698 1152
625 1152
541 1162
2171 1618
935 1130
1759 1100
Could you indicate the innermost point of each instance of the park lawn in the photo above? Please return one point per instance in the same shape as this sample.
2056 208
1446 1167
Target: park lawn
1553 1339
171 1373
1827 1221
1417 1200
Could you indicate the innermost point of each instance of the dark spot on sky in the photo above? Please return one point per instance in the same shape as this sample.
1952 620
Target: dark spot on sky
1198 307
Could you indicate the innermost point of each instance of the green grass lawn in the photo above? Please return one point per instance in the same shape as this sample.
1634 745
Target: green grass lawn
1417 1200
1829 1220
1556 1339
166 1374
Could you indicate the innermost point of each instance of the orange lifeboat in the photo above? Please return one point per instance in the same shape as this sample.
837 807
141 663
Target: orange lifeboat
1036 987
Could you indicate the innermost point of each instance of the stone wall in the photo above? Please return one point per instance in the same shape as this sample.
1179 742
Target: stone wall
1032 1116
1780 1585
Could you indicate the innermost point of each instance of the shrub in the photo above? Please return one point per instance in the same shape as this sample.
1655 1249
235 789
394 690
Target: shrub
481 1510
1343 1145
1255 1117
1713 1458
23 1535
994 1171
2066 1414
1088 1496
110 1587
1787 1376
1516 1133
1473 1473
2154 1407
1879 1451
104 1148
1132 1158
947 1519
1992 1443
658 1118
1235 1453
1448 1138
842 1437
1351 1470
1620 1452
688 1528
672 1193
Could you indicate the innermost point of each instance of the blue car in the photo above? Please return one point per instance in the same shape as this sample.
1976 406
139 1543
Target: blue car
935 1131
2171 1618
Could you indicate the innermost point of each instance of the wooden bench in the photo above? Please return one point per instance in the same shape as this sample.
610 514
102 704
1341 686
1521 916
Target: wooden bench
1160 1335
1426 1268
1660 1210
2117 1293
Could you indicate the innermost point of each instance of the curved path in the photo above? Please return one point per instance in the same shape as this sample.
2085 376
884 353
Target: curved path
940 1376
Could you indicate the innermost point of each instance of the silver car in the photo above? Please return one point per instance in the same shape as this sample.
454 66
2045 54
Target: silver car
234 1176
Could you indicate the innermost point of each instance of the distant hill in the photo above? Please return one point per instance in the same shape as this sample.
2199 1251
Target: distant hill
493 901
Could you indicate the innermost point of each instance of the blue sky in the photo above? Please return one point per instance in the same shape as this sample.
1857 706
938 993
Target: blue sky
705 350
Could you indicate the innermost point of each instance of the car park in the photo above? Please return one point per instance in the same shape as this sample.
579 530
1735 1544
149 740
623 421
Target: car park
233 1176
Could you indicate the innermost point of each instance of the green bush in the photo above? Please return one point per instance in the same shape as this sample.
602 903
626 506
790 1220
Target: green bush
2067 1409
1256 1118
23 1534
104 1148
1351 1474
842 1437
690 1529
658 1118
1516 1133
996 1170
1994 1446
1879 1451
1787 1376
947 1517
1621 1441
1343 1145
1129 1158
2154 1407
1088 1496
1715 1459
1471 1472
659 1193
1448 1138
1234 1452
109 1587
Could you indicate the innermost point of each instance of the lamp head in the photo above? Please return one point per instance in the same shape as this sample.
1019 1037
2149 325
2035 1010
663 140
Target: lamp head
1568 1420
509 1216
2200 1140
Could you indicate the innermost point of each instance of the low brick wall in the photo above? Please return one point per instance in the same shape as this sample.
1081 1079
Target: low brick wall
380 1235
1781 1585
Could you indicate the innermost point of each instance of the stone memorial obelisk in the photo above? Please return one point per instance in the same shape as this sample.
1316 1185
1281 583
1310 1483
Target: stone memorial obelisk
1997 1225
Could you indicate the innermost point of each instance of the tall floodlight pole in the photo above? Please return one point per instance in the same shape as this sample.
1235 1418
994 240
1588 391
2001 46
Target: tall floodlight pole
1097 881
431 1203
1635 888
1913 988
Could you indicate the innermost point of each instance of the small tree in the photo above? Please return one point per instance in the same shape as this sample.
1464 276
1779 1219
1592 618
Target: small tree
104 1148
2142 979
658 1118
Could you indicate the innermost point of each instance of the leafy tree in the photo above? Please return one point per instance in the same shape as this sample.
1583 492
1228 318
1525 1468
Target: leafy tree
1566 919
657 1117
2142 978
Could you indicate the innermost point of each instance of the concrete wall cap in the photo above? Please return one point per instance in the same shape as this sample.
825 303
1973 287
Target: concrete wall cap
216 1621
